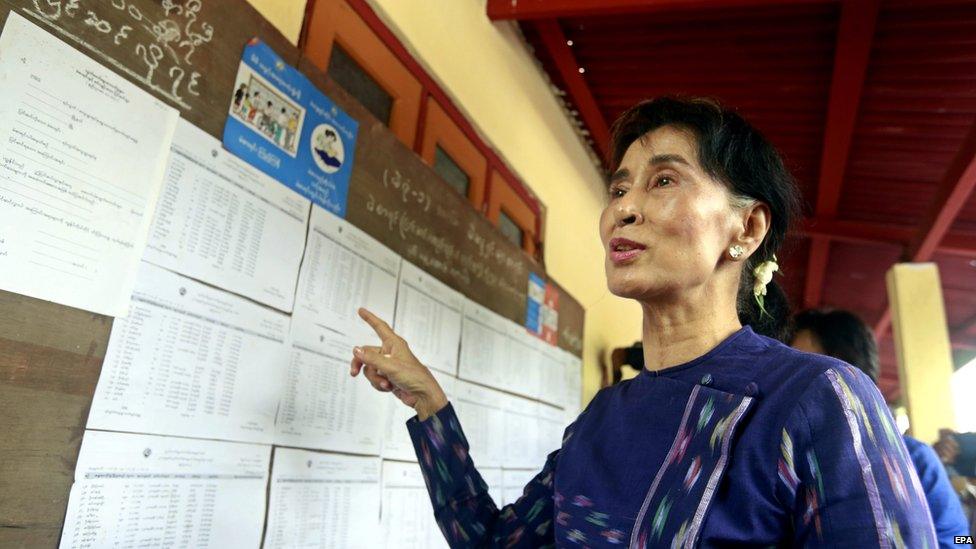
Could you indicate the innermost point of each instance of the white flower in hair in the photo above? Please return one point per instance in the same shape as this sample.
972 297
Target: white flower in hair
763 274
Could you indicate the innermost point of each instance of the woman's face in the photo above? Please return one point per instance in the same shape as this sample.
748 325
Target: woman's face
667 225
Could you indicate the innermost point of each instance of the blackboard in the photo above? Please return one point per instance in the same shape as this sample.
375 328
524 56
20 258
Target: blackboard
186 53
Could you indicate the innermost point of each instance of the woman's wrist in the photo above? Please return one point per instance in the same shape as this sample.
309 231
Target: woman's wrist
429 406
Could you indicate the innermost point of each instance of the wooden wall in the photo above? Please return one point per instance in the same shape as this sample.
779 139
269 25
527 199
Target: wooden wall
186 52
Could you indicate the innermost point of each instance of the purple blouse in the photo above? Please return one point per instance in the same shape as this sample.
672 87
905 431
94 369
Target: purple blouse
752 444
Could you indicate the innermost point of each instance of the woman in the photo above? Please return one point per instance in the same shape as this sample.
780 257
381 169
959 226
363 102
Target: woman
727 437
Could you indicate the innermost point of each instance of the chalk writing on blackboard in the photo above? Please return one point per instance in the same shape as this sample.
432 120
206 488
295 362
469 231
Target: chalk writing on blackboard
438 254
165 47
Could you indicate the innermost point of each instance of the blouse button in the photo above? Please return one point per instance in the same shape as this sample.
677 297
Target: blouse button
706 379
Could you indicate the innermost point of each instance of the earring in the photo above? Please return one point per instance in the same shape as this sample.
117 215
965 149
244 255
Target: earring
735 251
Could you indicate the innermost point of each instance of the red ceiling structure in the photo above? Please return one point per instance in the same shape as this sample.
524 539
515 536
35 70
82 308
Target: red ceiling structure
872 102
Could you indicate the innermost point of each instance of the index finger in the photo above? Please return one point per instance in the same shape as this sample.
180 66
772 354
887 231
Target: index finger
378 325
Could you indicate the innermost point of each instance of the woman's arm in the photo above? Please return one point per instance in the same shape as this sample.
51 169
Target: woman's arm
466 514
844 471
463 509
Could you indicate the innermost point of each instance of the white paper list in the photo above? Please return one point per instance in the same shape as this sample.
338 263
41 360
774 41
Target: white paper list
150 491
552 425
493 478
552 376
482 346
82 153
325 408
482 416
521 441
323 500
344 269
523 372
428 317
514 482
223 222
191 360
396 438
497 352
573 385
407 520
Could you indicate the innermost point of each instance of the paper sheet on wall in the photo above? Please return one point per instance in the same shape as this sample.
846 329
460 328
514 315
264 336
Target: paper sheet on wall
552 378
428 316
150 491
482 415
325 408
514 481
222 221
344 269
552 425
573 385
483 346
323 500
493 478
522 373
396 438
497 352
191 360
83 152
407 520
521 442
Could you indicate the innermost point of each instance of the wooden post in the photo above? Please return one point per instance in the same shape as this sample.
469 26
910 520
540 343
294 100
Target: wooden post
922 346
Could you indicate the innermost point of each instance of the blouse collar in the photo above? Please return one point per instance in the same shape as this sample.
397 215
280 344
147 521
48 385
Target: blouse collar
719 350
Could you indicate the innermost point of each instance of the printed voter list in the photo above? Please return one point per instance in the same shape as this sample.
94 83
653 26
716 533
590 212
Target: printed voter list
280 123
83 152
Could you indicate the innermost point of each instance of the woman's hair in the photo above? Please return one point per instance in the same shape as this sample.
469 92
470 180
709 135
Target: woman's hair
735 153
843 335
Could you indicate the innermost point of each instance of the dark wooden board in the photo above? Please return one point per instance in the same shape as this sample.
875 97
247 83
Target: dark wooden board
51 355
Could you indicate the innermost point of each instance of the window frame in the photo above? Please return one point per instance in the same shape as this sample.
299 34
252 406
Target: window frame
336 21
502 197
440 130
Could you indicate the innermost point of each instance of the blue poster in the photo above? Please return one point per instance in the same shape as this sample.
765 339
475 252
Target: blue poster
533 307
281 124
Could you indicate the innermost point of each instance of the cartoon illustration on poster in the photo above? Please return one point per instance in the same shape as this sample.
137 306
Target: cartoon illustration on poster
280 123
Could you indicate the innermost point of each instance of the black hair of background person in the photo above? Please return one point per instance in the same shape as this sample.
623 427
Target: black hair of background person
733 152
843 335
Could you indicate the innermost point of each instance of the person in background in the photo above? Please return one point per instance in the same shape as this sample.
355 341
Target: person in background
958 450
632 356
843 335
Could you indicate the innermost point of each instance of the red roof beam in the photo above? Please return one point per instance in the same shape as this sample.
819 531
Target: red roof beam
555 43
956 243
552 9
854 37
862 232
954 190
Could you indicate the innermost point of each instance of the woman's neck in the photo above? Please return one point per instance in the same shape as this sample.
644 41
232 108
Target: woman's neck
675 333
